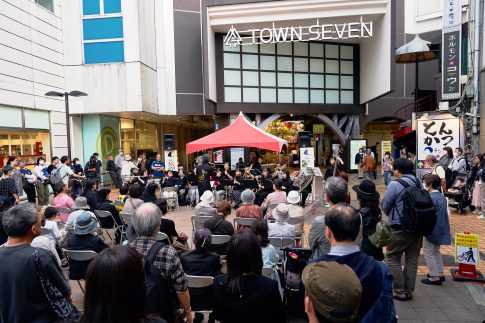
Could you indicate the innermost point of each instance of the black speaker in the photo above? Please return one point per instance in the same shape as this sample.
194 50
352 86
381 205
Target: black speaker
304 139
169 142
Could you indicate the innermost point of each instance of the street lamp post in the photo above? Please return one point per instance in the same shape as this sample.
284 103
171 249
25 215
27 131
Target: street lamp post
66 96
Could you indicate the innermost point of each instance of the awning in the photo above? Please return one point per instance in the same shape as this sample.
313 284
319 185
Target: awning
241 133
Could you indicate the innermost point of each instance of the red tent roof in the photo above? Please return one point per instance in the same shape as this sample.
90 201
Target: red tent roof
241 133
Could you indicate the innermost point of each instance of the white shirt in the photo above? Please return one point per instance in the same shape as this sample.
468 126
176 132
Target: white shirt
281 229
52 226
65 172
126 168
48 243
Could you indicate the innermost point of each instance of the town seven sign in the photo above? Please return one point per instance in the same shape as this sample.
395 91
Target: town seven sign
299 33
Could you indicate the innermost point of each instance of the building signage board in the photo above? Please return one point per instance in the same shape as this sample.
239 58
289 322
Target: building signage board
434 133
318 129
451 64
355 144
467 249
386 147
317 32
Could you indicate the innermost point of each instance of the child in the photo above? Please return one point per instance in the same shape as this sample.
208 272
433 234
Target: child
51 220
122 197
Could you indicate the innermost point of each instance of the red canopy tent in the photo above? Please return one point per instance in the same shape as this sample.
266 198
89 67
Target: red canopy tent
241 133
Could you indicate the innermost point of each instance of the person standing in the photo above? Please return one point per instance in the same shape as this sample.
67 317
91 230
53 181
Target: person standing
113 171
66 172
437 169
369 166
90 168
359 158
16 175
445 160
42 184
158 167
458 163
440 235
29 181
204 172
98 166
402 242
8 189
387 167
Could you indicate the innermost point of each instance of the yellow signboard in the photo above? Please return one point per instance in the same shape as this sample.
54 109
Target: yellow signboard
466 249
383 127
318 129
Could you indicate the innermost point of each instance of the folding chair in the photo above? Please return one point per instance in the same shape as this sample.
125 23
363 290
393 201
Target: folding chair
161 236
119 203
246 222
282 242
218 239
171 196
127 219
64 210
295 221
80 255
200 282
102 214
199 220
267 272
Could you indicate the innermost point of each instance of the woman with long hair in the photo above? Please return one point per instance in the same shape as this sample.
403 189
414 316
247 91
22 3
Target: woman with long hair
243 295
115 288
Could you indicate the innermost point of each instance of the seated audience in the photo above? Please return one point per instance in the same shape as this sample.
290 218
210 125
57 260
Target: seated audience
85 238
119 296
48 242
146 222
63 200
80 205
91 193
281 228
205 205
371 214
342 228
333 292
336 191
243 295
295 211
124 189
201 262
134 201
167 226
270 256
106 205
51 219
218 225
149 195
278 196
247 209
23 297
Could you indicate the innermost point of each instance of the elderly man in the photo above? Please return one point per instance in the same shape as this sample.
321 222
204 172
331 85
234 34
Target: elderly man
23 298
146 222
336 191
437 170
248 209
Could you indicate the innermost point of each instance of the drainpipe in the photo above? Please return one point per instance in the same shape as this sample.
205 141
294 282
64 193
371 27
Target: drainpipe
476 65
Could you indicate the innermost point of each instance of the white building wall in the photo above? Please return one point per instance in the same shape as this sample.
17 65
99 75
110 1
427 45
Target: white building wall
32 62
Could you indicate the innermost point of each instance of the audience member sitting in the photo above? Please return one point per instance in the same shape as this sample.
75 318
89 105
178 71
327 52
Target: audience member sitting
63 200
218 225
295 211
91 193
80 205
336 191
248 209
270 256
51 219
85 238
278 196
243 295
342 228
47 242
201 262
281 228
333 292
23 297
134 201
106 205
119 296
167 226
146 222
370 212
124 189
205 205
149 195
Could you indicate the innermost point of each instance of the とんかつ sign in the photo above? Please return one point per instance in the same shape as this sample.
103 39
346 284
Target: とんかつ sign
467 249
347 30
435 133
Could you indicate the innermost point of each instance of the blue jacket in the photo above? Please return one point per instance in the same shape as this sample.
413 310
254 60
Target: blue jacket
392 203
441 233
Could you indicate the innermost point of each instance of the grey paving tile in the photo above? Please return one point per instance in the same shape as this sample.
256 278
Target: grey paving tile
452 302
463 314
407 312
431 313
422 301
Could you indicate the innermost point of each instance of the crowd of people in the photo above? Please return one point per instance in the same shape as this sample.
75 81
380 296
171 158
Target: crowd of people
143 278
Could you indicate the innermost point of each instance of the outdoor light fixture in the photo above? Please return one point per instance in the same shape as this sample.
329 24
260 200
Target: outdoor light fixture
66 96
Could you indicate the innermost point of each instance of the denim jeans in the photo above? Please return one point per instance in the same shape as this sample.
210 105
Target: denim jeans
387 177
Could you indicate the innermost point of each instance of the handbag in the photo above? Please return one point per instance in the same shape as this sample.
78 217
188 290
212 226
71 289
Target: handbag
63 309
383 235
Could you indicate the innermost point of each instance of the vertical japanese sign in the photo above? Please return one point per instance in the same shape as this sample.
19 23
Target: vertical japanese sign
386 147
171 160
451 50
307 157
435 133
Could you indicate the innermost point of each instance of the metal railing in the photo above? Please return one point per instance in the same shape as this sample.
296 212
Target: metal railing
405 113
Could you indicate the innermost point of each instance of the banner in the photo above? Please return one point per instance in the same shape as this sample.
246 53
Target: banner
355 144
435 133
307 157
171 160
451 50
318 129
386 146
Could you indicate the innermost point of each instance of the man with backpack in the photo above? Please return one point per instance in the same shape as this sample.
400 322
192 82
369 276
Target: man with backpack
411 215
164 274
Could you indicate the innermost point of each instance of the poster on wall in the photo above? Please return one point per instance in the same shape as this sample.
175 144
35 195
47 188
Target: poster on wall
307 157
386 147
171 160
217 156
355 144
435 133
236 153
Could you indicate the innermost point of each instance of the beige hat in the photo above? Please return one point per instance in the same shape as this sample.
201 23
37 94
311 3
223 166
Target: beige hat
280 212
334 289
207 197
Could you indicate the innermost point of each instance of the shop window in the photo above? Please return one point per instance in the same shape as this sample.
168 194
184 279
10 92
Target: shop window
35 119
346 52
28 146
250 62
284 64
301 49
301 96
267 48
285 96
316 65
284 49
301 64
127 128
250 49
331 66
317 96
331 82
232 94
285 80
146 136
268 79
268 63
251 78
232 77
301 80
250 94
347 67
268 95
332 96
316 81
316 50
232 61
331 51
11 117
346 97
346 82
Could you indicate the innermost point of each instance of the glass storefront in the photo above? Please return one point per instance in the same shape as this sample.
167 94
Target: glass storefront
146 136
26 145
128 136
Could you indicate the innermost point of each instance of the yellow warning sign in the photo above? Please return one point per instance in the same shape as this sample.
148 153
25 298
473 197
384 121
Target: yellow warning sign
466 248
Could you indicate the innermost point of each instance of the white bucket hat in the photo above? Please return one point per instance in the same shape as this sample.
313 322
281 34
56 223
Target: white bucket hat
280 213
293 197
207 197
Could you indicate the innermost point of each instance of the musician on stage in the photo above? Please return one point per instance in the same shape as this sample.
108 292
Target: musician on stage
247 172
278 172
182 177
287 181
257 165
204 172
240 163
238 188
265 188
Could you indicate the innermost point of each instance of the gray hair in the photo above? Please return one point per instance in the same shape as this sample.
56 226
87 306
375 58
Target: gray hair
18 220
247 196
432 158
146 219
336 189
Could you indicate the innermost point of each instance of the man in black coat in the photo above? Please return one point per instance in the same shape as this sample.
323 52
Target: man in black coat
204 172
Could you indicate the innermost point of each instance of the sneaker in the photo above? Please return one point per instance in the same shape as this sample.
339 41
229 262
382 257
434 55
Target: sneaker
481 217
402 297
427 281
442 278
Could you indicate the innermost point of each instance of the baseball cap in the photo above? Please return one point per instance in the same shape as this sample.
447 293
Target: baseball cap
334 289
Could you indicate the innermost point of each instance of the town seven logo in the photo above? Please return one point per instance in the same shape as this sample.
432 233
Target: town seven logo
232 38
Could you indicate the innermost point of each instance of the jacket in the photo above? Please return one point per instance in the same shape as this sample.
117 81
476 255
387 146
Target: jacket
369 164
441 234
392 203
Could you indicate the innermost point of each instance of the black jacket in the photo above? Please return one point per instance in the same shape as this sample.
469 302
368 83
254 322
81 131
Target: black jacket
217 225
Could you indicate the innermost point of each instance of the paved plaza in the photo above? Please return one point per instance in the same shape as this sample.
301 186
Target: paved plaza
452 302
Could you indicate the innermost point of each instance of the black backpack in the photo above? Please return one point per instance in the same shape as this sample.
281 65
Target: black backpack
418 215
158 294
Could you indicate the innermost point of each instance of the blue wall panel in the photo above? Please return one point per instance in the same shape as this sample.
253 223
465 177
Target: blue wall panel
91 7
112 6
103 28
106 52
